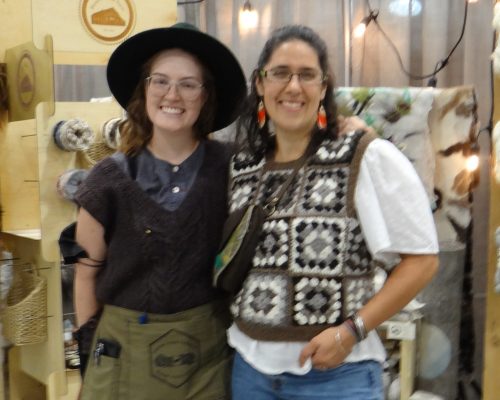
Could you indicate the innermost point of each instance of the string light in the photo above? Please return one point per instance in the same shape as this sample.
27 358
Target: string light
248 18
472 154
472 163
359 31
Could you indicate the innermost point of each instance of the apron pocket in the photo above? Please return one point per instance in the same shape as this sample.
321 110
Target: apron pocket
178 360
102 378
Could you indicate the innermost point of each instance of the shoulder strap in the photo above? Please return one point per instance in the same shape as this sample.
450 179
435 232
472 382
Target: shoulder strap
270 206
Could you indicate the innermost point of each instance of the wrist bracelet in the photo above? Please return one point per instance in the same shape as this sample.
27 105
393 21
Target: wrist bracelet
356 326
360 326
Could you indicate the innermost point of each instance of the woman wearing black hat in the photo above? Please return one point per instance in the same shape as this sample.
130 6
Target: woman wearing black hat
150 220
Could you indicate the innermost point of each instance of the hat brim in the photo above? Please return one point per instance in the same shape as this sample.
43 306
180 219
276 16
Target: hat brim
125 64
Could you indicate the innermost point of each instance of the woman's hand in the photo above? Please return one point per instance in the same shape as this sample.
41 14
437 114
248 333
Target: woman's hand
329 348
353 123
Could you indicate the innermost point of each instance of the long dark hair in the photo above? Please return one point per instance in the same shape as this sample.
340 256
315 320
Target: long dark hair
259 140
136 131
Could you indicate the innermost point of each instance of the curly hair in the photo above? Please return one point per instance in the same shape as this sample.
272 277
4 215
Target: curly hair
136 130
260 140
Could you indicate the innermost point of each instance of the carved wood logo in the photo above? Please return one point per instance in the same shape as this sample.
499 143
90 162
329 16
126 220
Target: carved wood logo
26 79
109 21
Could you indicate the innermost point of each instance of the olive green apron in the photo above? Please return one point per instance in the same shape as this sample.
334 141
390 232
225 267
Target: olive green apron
182 356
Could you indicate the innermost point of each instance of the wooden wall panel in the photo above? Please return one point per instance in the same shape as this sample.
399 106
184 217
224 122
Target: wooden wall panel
78 41
19 178
491 373
15 24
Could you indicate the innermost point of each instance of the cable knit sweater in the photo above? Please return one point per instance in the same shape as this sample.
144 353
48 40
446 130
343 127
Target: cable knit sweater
158 261
312 267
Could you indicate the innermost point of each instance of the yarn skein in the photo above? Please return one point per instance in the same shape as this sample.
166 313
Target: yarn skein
68 182
111 132
73 135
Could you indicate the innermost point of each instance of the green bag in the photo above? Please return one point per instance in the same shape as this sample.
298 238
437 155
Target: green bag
239 241
240 237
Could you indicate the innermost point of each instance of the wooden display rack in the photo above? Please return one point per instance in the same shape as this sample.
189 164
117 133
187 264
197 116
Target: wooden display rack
406 334
30 164
33 226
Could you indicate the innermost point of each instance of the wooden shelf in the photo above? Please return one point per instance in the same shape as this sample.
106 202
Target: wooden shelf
34 234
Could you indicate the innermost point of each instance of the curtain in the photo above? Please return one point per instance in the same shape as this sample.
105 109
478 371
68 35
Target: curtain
220 18
422 37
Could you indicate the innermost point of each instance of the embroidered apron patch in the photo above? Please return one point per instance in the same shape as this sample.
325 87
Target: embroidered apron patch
175 357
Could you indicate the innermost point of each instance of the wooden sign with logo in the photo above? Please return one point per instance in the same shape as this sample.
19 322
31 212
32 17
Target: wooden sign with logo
30 79
87 31
108 21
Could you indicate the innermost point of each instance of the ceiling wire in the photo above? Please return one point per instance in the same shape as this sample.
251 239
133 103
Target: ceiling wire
439 65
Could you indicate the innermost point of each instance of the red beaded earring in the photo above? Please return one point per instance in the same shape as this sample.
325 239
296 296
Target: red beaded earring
261 114
321 117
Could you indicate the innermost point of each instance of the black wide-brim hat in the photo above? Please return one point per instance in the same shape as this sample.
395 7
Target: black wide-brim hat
125 66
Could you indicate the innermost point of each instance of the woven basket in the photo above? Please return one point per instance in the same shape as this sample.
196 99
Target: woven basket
96 152
25 314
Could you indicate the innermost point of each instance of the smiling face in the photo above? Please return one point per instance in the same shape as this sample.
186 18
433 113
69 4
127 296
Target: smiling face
292 106
172 112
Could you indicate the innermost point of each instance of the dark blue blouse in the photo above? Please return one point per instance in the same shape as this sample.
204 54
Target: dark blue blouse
166 183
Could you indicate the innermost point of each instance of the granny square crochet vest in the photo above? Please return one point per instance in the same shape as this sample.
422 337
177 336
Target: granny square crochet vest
311 268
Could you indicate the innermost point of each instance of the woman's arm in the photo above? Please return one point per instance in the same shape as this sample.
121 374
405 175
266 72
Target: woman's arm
89 235
395 216
410 276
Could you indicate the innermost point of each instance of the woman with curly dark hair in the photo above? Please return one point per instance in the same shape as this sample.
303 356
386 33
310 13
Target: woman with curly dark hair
305 318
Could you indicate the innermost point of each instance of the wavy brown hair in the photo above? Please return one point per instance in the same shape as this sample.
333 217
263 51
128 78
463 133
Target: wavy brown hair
136 130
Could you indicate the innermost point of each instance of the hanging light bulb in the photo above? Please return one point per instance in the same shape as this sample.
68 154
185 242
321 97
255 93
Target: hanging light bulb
248 18
359 31
472 160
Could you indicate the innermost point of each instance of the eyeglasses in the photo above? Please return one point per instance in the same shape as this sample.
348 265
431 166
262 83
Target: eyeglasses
284 75
188 89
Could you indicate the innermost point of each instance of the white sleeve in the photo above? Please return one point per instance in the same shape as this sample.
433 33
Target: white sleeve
392 206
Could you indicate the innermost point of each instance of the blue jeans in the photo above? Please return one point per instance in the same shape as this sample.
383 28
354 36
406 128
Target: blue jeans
353 381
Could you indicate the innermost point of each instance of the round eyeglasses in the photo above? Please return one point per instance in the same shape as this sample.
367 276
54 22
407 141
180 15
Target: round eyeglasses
284 76
188 89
